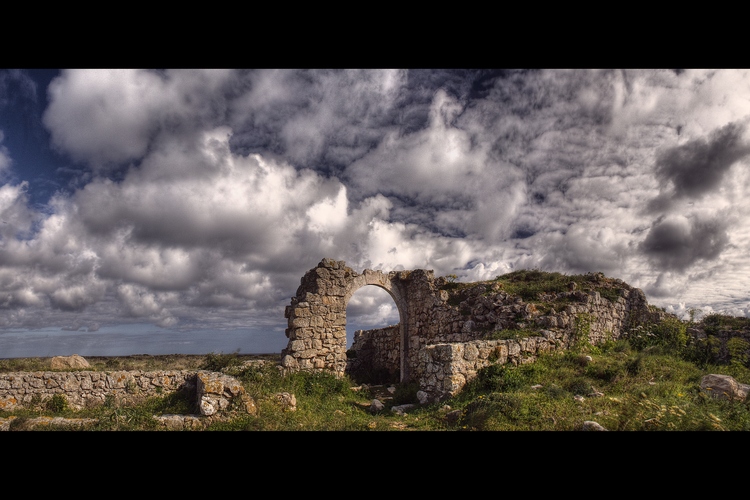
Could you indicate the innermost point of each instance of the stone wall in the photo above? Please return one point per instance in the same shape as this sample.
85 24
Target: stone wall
374 355
445 368
212 392
452 349
442 323
317 315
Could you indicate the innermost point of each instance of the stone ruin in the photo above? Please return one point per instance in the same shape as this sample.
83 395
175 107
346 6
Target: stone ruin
443 336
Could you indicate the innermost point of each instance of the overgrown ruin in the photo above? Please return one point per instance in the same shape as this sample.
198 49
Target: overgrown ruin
448 331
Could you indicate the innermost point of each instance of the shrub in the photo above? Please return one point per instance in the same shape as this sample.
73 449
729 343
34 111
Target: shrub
737 348
57 403
215 362
670 332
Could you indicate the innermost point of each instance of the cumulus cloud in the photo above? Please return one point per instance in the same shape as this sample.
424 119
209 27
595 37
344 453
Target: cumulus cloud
677 242
698 166
205 195
106 117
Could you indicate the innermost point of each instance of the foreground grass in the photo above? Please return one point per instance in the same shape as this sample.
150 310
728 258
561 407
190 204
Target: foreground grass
619 387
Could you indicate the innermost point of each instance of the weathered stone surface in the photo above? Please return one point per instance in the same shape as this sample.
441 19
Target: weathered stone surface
376 405
590 425
287 401
63 362
181 422
724 387
214 392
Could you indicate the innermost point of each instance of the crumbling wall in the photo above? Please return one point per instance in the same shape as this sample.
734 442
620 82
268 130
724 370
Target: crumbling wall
443 325
317 315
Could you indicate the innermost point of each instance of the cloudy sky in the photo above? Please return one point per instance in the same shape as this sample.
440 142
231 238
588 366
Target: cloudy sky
185 204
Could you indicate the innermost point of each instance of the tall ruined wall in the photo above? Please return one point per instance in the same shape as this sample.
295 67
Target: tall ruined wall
317 314
317 320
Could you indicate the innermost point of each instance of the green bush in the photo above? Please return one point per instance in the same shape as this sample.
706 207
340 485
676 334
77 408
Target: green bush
57 403
670 332
215 362
738 348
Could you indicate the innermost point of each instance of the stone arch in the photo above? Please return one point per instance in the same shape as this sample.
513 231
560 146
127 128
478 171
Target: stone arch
317 317
396 292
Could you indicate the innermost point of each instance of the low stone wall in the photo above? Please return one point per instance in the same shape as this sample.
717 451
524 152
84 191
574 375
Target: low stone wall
213 392
445 368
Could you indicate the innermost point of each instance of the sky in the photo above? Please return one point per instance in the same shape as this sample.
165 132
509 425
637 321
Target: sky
175 210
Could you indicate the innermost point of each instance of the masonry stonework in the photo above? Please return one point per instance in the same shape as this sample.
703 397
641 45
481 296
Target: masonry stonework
442 339
213 393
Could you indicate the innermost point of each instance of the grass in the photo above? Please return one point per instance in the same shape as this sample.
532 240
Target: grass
654 388
646 381
530 284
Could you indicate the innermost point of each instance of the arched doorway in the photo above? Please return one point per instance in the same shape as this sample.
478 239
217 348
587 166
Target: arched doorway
317 317
373 336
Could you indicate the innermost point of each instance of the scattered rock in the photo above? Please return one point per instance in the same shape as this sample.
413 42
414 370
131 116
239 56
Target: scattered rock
401 409
423 397
590 425
287 401
724 387
595 394
453 416
376 406
579 398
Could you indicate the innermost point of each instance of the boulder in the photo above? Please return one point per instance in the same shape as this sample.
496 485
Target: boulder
376 405
724 387
590 425
66 362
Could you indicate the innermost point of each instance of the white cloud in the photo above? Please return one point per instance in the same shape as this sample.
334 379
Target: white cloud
232 184
109 116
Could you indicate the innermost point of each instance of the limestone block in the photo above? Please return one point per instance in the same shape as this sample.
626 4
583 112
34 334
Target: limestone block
289 362
471 353
308 354
8 403
65 362
724 387
300 322
514 348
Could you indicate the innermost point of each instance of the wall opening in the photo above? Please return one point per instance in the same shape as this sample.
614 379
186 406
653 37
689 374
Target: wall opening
375 356
369 307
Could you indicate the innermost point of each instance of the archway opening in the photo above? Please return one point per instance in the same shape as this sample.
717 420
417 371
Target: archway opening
373 337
